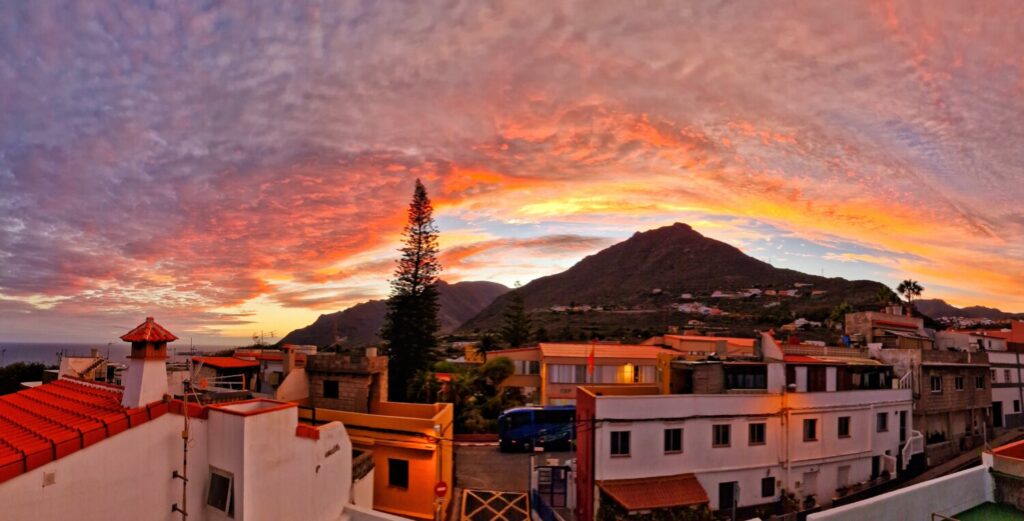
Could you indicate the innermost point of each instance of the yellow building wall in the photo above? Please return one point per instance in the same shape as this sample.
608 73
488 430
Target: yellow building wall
411 438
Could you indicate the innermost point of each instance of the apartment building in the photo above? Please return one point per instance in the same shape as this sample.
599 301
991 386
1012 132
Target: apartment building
787 429
891 328
550 372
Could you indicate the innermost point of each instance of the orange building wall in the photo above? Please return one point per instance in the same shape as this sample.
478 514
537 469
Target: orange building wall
403 431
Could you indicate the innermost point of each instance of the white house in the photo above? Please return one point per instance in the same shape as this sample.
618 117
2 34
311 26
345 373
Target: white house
747 432
73 449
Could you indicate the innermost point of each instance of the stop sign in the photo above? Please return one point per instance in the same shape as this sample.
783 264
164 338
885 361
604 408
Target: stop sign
441 489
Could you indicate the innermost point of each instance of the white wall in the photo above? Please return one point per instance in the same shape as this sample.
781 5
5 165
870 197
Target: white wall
127 476
740 461
277 475
948 495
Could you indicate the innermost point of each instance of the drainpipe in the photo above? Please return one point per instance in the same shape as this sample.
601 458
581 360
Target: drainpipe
1020 390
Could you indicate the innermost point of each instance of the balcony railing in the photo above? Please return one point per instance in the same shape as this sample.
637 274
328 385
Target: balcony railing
914 445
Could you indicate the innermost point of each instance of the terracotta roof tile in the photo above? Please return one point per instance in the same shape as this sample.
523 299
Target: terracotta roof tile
640 352
225 362
652 493
149 331
53 420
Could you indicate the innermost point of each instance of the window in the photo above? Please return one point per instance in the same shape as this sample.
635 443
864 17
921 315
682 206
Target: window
330 388
936 384
720 435
567 374
810 430
755 434
620 443
1006 376
959 383
1016 406
673 440
398 473
844 427
993 376
526 366
882 422
979 382
768 487
221 494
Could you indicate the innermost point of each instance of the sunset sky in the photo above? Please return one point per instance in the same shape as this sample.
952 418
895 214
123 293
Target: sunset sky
229 168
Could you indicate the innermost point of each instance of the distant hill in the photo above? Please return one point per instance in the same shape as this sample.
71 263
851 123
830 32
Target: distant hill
937 308
360 324
675 260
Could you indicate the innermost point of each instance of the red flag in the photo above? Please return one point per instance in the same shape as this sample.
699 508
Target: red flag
590 359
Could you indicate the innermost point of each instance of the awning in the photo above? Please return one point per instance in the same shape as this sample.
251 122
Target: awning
653 493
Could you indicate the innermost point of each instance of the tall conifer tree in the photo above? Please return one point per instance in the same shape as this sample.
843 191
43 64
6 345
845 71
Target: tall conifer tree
411 324
516 327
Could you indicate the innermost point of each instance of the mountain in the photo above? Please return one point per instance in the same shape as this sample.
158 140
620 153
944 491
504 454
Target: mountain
674 259
359 325
937 308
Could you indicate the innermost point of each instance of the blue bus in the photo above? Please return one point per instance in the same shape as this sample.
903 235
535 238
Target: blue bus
523 428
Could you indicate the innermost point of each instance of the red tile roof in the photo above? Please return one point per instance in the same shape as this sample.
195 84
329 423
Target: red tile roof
149 331
652 493
50 421
802 359
225 362
636 352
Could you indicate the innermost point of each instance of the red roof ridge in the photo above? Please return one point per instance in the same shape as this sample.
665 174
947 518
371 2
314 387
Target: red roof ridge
149 331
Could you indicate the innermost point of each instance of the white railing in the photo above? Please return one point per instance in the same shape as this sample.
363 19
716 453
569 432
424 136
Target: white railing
906 382
914 445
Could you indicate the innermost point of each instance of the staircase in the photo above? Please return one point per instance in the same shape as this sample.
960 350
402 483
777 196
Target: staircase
914 445
84 373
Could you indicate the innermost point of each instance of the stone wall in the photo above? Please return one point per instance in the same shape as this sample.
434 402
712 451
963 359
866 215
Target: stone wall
361 378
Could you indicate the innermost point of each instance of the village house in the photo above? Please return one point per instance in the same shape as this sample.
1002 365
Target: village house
747 434
952 389
77 449
550 372
410 444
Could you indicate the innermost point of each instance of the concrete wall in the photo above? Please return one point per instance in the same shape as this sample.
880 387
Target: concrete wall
948 495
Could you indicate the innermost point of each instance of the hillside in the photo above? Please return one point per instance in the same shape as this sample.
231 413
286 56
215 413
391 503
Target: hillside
625 277
938 308
359 325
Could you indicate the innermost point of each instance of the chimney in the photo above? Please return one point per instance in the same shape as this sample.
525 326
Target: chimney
145 380
94 353
287 359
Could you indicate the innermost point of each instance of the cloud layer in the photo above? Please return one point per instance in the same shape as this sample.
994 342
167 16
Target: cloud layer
240 166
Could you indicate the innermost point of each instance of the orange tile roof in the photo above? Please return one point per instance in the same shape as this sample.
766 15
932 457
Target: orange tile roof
225 362
745 342
149 331
652 493
641 352
48 422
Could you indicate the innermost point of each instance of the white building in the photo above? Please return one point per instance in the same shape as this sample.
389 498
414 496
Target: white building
715 432
73 449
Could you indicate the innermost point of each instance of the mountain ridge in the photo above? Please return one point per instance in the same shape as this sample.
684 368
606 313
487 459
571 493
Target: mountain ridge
938 308
360 324
653 267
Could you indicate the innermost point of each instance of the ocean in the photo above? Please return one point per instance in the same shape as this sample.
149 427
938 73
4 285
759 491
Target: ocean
47 353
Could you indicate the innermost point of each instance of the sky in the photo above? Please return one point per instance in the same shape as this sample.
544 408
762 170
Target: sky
237 167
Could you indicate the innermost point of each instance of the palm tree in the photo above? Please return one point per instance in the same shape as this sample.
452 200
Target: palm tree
910 289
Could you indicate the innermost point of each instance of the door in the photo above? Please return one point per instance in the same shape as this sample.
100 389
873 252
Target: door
903 428
876 466
727 493
997 414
